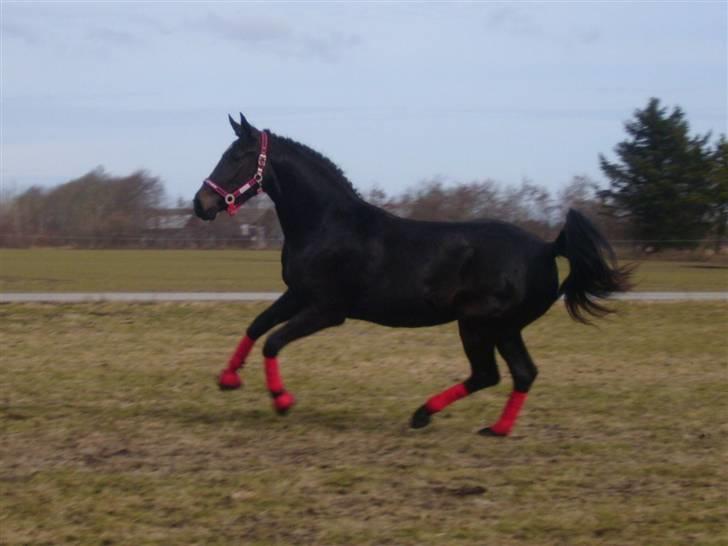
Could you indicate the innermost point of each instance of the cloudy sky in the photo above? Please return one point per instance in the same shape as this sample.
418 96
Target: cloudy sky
394 93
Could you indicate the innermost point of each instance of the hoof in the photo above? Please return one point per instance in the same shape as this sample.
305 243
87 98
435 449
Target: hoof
421 418
229 380
283 403
487 431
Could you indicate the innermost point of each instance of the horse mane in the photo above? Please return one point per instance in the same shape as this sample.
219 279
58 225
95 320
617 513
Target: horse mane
324 162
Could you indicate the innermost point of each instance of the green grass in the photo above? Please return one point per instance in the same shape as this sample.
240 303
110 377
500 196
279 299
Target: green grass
113 432
61 270
681 276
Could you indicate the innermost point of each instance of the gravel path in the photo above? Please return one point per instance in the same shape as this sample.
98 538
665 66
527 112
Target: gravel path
76 297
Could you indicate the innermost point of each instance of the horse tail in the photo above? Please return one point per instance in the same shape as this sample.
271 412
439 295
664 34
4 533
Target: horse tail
594 272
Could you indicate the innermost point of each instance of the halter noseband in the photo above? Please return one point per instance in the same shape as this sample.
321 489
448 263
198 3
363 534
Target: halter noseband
256 181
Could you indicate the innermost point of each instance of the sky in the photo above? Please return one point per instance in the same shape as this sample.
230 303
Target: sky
395 93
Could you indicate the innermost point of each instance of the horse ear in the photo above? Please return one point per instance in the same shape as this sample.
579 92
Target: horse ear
247 127
235 125
242 129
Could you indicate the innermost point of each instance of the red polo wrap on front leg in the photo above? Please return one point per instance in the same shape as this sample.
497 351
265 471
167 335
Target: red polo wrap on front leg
229 378
241 353
440 401
510 413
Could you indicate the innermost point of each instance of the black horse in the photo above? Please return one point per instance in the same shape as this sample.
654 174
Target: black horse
345 258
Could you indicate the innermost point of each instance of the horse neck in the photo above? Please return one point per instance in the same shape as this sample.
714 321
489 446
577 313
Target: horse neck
309 193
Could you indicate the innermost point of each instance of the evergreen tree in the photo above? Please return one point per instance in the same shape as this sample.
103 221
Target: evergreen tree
662 180
719 188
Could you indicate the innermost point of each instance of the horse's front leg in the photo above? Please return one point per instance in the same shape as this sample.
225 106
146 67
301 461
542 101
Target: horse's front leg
280 311
305 323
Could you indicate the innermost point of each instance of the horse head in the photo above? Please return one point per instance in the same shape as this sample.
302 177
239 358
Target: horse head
238 176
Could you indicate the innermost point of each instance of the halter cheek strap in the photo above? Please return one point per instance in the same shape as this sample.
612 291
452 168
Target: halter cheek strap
255 182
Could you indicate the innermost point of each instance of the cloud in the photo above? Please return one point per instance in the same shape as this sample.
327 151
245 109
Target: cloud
122 27
42 29
278 37
19 32
588 36
110 36
512 20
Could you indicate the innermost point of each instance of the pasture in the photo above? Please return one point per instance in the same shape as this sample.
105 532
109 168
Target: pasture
64 270
113 431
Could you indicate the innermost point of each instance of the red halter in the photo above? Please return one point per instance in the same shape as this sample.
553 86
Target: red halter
256 181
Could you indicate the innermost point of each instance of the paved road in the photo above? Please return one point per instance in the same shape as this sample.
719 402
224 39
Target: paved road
76 297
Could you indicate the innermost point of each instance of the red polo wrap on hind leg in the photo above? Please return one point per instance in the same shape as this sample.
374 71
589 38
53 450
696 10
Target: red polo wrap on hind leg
510 413
282 400
440 401
273 376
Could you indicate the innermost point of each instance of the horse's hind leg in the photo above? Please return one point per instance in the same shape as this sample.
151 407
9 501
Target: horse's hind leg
480 349
280 311
524 372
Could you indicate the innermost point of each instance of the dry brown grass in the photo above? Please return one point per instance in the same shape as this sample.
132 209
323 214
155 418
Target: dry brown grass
114 433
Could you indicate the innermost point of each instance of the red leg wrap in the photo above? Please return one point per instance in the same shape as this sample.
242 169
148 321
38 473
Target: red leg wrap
273 376
440 401
229 378
237 360
510 413
282 400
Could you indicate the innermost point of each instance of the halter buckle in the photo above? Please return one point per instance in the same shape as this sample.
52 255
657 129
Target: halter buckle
229 199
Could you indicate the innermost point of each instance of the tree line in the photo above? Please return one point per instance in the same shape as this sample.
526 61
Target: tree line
666 188
94 206
100 210
528 205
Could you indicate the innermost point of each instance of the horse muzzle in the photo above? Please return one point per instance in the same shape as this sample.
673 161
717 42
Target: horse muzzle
205 208
206 205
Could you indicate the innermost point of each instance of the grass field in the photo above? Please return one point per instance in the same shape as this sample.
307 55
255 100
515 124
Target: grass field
60 270
113 432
